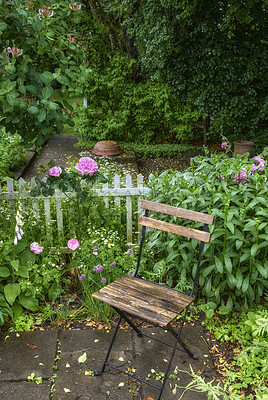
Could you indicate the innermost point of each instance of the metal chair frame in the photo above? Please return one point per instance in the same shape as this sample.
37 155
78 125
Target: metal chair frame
176 335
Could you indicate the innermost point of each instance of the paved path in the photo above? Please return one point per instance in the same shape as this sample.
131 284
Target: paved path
60 148
53 355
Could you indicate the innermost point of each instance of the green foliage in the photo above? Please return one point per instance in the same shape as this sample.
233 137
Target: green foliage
234 265
103 247
214 53
40 60
12 153
119 108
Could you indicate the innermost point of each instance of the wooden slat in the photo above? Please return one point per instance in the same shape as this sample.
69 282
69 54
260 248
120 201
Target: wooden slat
152 289
141 295
178 212
172 228
142 304
118 303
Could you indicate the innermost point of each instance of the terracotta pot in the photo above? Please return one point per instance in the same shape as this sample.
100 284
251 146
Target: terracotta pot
106 148
243 146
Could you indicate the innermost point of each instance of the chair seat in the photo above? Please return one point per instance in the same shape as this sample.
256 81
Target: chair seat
148 300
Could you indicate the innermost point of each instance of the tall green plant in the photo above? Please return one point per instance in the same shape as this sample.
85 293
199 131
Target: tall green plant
41 59
234 268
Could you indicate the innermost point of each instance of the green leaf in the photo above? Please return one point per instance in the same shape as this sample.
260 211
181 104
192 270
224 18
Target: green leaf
4 272
254 250
63 80
21 245
15 264
245 284
28 302
218 264
228 263
33 110
3 25
239 278
23 272
11 291
223 310
27 256
46 77
42 115
230 226
47 92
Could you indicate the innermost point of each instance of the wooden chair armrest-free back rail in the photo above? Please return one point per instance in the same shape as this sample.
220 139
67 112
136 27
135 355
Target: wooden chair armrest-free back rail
150 301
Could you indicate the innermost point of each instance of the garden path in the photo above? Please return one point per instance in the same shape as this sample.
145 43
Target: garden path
53 355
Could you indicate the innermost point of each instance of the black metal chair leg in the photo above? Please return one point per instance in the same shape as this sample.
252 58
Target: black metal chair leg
133 326
97 373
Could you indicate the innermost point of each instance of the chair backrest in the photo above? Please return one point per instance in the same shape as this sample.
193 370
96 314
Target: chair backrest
176 212
202 236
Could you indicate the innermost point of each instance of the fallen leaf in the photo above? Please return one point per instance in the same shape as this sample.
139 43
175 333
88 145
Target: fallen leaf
66 390
31 346
96 340
82 358
121 384
67 365
121 359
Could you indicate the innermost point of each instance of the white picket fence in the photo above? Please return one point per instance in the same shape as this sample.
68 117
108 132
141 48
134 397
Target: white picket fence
118 190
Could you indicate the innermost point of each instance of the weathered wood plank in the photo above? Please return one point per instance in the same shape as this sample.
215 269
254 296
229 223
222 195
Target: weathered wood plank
176 229
118 303
181 300
141 295
137 302
178 212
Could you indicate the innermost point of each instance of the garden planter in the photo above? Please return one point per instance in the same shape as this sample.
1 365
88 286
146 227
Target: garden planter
106 148
243 146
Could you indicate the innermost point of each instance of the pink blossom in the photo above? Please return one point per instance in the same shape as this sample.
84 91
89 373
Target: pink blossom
15 51
71 38
87 165
262 166
223 145
73 244
45 12
103 280
82 277
243 174
36 248
259 159
55 171
75 7
98 268
222 177
129 251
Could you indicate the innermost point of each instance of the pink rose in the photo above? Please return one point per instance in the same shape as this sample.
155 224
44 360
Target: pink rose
55 171
73 244
87 165
36 248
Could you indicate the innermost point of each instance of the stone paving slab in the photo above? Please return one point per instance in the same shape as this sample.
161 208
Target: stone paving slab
24 391
151 355
27 352
74 382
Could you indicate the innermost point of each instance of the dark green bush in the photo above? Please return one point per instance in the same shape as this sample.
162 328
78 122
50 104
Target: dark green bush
119 108
234 268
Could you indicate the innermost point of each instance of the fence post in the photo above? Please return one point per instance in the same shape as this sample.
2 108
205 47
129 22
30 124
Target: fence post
129 210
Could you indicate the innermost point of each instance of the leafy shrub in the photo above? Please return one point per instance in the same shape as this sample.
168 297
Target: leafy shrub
234 268
12 153
119 108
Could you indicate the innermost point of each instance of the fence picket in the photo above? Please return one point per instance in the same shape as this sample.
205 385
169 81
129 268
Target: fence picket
44 214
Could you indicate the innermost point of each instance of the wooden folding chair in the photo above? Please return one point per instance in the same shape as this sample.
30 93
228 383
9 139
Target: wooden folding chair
150 301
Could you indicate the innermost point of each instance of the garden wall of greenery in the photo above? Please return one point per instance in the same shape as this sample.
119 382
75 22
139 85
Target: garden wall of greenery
153 71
